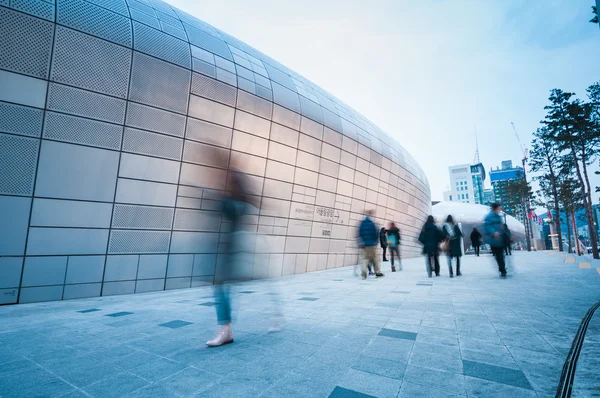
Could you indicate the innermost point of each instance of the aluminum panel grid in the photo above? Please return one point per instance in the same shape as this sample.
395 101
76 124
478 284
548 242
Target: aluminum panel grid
78 130
164 112
21 120
161 45
89 18
84 103
18 160
160 84
118 6
37 8
25 43
88 62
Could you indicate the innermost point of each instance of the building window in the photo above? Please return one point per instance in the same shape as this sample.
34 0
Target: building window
467 196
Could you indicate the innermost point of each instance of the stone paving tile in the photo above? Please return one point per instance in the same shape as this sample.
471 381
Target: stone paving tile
116 386
340 392
411 390
484 388
398 334
476 318
157 369
45 384
370 384
118 314
175 324
452 383
497 374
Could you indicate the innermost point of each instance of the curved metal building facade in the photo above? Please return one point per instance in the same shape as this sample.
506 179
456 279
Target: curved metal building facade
109 110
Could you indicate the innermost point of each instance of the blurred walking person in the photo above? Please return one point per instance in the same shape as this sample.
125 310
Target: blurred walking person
493 231
452 234
368 237
383 242
393 241
430 237
507 240
235 205
476 240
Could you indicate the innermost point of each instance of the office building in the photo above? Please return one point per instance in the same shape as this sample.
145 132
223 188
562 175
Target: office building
466 184
499 179
109 111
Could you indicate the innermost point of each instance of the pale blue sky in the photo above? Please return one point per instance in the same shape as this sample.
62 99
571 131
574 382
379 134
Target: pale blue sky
428 71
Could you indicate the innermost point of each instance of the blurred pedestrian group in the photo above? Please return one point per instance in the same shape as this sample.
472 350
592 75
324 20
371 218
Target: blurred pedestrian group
448 240
369 236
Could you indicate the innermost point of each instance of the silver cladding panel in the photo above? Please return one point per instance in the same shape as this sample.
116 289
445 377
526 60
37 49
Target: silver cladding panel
107 170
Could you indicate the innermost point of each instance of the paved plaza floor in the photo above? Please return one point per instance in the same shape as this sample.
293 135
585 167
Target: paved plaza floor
400 336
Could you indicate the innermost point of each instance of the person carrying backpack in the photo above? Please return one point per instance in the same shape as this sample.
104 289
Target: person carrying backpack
452 235
393 241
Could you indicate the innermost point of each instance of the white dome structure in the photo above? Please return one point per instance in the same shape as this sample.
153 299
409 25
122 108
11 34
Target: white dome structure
471 216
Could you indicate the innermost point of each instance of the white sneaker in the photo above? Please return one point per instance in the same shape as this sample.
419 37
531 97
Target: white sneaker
221 339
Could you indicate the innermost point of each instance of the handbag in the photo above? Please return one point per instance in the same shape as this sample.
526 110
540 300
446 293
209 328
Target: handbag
392 241
445 245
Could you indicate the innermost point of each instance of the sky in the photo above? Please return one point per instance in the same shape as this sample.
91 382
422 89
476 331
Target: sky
431 73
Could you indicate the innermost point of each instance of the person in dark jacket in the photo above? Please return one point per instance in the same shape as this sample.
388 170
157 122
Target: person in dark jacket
368 236
476 240
493 235
393 240
430 238
453 233
383 242
507 240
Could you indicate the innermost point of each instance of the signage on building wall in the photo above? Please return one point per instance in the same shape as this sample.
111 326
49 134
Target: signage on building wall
302 211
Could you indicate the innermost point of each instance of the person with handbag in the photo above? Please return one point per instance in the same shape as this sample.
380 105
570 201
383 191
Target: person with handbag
430 237
393 242
452 244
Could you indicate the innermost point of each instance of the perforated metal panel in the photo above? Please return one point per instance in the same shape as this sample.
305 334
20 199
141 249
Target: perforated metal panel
253 104
173 31
203 154
161 45
213 89
286 98
122 241
139 6
78 130
163 8
146 143
25 43
117 6
278 76
158 83
38 8
88 62
264 92
20 120
142 217
195 220
208 42
98 21
207 132
85 103
157 120
144 18
18 158
204 67
169 19
311 109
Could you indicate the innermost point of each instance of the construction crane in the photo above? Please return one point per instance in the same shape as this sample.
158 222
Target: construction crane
528 229
523 149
